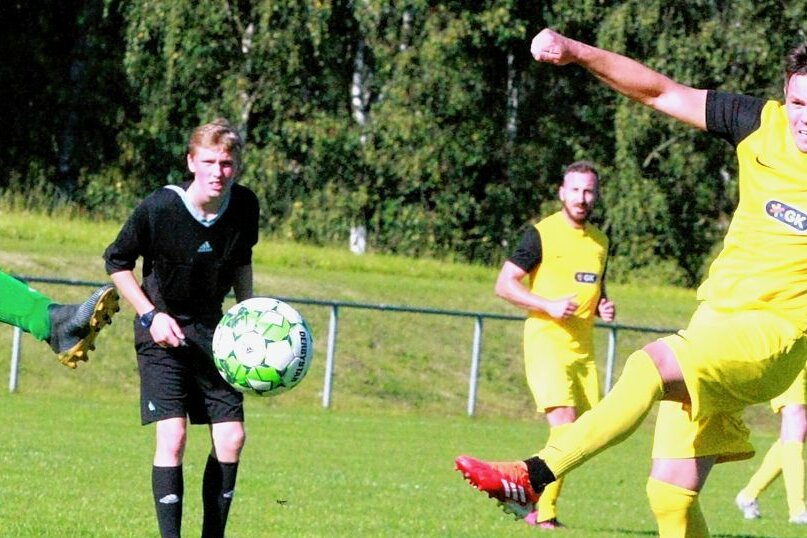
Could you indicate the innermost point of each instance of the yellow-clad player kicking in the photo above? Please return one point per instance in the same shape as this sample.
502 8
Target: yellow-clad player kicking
785 456
745 343
564 256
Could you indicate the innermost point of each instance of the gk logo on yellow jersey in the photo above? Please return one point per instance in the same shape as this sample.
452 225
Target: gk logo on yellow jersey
587 278
789 215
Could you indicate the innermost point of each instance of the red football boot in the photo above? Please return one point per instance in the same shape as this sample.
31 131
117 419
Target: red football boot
507 482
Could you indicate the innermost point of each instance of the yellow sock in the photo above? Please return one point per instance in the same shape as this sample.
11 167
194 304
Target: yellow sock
547 504
793 475
611 421
677 510
768 470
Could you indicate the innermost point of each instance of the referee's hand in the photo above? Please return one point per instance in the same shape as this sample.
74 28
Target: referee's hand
166 331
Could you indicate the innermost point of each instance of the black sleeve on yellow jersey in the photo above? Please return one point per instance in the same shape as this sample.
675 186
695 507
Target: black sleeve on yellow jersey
731 116
528 253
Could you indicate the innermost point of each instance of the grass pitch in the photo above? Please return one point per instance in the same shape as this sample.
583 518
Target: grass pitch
79 467
74 461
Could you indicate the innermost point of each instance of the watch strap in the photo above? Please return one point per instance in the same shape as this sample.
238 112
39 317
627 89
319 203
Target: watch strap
147 318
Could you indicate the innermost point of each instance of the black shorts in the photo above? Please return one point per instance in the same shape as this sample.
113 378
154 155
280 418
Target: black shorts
183 382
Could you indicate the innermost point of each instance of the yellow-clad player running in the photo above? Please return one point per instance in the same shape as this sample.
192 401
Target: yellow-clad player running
745 343
564 256
785 457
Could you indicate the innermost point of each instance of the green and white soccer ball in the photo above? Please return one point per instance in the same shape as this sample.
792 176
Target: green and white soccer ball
262 346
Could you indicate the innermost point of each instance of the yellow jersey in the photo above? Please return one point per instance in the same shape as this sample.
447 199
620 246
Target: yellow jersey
763 263
572 262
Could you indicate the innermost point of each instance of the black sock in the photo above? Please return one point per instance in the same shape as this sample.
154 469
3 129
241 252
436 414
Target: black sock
218 488
540 474
168 487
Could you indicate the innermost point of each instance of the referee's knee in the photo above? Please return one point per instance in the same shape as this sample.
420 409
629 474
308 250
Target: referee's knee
228 440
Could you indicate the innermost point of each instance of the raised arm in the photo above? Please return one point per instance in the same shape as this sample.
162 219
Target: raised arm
629 77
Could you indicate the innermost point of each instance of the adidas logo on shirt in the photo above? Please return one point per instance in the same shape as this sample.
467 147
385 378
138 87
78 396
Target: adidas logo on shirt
205 247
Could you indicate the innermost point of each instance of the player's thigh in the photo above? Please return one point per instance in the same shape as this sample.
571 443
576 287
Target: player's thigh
677 436
730 360
213 399
549 369
794 423
687 473
163 384
586 384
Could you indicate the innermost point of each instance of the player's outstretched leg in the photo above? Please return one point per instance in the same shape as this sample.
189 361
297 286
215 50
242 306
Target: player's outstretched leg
517 485
74 327
507 482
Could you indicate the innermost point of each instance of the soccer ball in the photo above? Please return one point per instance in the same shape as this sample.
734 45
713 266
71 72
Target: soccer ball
262 346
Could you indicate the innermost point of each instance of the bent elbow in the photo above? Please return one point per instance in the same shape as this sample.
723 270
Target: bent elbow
501 291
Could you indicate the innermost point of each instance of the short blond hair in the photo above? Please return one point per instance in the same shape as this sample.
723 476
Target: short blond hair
219 134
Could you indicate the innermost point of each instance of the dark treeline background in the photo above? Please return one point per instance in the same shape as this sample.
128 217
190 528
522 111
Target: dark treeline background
425 121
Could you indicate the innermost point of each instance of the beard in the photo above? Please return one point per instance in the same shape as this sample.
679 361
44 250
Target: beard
577 212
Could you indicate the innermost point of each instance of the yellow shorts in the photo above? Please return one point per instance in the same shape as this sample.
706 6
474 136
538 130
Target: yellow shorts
796 394
733 359
730 360
677 437
558 376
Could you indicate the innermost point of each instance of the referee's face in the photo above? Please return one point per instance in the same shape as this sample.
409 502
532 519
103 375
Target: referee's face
796 105
578 193
214 171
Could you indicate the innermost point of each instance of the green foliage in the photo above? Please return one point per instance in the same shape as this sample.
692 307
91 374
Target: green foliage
427 122
107 192
623 269
63 91
33 191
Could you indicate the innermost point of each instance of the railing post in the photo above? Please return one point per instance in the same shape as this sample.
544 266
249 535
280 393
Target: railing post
16 345
475 354
609 365
329 359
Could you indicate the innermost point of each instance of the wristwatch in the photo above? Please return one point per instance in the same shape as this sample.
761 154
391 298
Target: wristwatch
147 318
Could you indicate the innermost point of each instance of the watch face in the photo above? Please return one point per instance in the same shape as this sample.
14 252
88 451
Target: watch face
147 318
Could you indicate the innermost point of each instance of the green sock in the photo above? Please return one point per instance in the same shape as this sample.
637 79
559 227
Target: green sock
24 307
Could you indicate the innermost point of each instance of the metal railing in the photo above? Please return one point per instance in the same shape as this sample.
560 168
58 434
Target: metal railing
333 330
